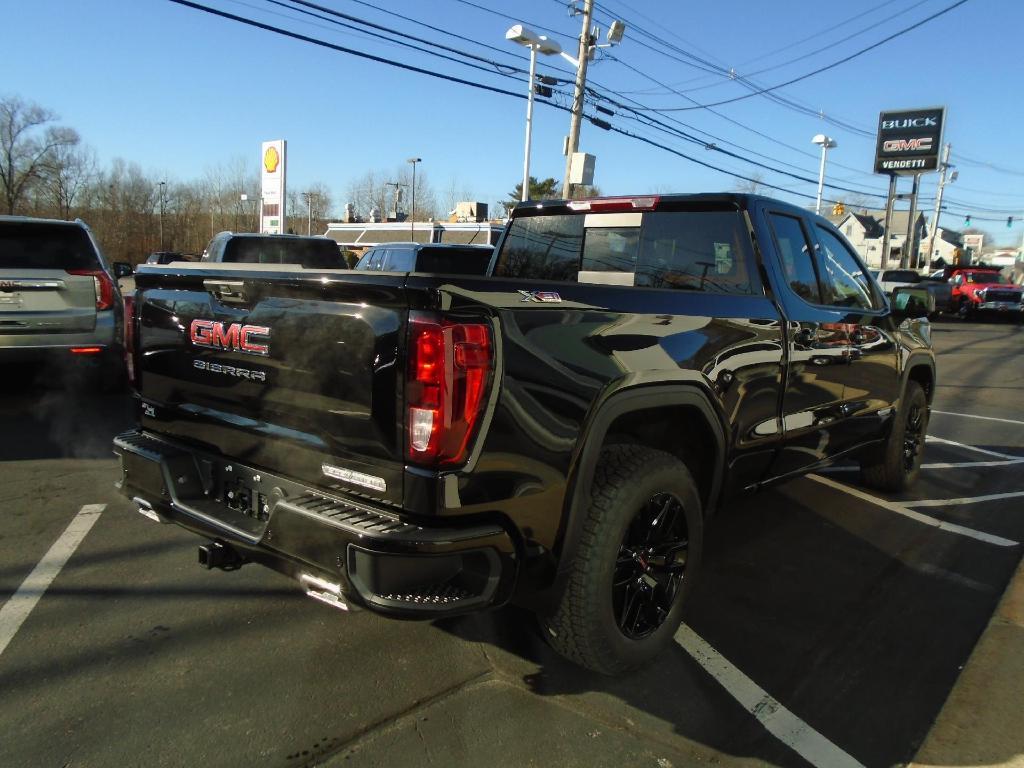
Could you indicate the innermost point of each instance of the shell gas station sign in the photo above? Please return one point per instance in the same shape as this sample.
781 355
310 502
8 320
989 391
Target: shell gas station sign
273 162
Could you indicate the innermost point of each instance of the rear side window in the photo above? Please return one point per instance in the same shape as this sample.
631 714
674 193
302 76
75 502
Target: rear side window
45 246
844 278
688 250
795 253
900 276
400 260
314 254
454 261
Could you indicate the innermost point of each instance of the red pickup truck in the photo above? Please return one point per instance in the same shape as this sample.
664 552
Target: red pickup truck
985 291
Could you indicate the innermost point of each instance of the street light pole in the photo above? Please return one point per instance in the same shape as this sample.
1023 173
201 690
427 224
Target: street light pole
162 186
525 194
412 216
309 211
577 100
826 143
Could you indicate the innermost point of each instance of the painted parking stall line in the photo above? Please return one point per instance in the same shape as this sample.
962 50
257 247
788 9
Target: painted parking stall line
902 509
14 612
777 720
1005 456
983 418
964 500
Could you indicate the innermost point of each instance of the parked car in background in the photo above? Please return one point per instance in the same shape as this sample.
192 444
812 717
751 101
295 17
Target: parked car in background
315 252
167 257
58 300
942 294
416 257
986 291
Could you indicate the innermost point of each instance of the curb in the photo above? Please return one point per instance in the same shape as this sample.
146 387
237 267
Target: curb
982 721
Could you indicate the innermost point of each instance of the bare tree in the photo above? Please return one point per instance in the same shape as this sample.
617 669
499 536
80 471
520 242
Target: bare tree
74 166
753 186
27 145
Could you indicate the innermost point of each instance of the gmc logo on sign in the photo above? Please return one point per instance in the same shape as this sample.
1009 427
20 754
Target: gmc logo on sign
923 144
233 336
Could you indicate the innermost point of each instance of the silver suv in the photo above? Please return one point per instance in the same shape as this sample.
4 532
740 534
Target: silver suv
59 302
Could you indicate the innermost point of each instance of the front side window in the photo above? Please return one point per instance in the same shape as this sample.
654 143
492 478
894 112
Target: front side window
795 253
400 260
845 282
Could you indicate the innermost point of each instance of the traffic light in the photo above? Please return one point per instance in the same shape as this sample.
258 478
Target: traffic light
838 209
542 90
1009 221
967 220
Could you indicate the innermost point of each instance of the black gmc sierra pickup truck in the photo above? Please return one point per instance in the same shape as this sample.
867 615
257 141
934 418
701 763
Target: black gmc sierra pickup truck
556 433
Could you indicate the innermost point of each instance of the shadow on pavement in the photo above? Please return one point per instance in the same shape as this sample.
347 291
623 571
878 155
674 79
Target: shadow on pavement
49 413
855 620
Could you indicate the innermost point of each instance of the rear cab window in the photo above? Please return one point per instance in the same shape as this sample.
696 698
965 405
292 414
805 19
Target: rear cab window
695 249
35 245
310 253
453 261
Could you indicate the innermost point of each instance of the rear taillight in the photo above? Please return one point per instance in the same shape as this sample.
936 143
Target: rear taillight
448 370
104 286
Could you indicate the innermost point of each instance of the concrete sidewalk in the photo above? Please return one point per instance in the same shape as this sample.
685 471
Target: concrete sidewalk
982 721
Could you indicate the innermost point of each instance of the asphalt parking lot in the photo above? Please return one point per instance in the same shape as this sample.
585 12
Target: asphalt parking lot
828 626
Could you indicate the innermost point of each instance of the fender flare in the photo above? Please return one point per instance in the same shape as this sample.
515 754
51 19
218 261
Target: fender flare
916 360
634 399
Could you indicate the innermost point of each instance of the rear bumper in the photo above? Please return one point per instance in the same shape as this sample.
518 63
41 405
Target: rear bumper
340 549
17 347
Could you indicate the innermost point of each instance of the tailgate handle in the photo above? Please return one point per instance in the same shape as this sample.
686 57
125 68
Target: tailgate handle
226 291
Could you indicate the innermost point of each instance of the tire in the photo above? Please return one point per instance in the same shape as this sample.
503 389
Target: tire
899 462
629 579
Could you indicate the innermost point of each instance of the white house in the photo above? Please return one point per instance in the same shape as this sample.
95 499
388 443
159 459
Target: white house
866 230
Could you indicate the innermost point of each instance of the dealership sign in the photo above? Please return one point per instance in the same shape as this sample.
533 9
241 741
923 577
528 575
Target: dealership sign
909 141
272 187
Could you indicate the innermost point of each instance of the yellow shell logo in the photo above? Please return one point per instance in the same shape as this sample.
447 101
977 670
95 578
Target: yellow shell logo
271 159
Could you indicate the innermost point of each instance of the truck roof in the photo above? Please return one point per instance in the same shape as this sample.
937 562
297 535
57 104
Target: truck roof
653 201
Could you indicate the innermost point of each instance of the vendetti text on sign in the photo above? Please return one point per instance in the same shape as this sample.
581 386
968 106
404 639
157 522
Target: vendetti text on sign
909 141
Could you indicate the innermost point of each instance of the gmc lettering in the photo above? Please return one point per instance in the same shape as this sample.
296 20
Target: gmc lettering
230 337
908 145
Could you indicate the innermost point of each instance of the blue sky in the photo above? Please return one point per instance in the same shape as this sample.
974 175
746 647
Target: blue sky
178 91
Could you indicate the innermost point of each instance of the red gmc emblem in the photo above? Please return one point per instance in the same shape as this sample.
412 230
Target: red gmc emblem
233 336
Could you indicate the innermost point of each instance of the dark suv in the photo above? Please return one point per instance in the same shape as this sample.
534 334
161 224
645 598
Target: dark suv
441 259
58 298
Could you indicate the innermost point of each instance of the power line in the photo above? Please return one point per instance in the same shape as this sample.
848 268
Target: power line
825 68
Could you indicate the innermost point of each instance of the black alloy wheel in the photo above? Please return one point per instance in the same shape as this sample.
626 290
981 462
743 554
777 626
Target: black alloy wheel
650 567
913 435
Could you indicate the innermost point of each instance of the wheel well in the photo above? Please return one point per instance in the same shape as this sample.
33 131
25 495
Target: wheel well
922 374
679 430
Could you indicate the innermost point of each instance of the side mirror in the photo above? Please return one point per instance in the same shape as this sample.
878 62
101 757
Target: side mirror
909 302
123 269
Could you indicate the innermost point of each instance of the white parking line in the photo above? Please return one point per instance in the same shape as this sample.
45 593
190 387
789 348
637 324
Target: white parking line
940 465
920 517
965 500
14 612
976 449
777 720
972 416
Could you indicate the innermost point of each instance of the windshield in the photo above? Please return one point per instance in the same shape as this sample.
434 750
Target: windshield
901 276
45 246
984 277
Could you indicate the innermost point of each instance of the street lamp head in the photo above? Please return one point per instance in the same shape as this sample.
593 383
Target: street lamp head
414 160
824 141
615 32
530 39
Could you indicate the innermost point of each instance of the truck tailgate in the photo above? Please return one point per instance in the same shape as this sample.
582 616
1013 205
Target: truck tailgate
290 369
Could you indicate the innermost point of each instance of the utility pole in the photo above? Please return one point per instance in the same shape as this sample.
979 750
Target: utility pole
577 100
890 200
308 196
908 259
938 200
